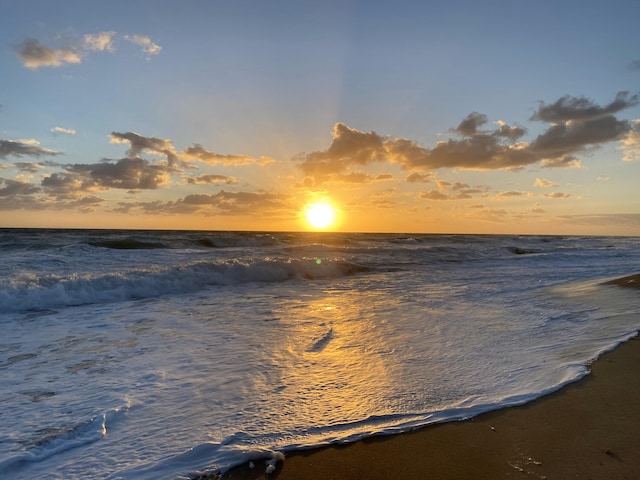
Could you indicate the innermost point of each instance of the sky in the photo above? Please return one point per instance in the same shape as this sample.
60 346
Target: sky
511 116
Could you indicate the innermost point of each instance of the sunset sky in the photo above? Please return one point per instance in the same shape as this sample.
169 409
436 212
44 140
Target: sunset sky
437 117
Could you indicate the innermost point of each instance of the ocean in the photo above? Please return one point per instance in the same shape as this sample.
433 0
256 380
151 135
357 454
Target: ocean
173 354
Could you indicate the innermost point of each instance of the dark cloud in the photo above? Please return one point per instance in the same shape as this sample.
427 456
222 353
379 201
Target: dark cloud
565 138
569 108
508 132
12 188
348 147
470 124
198 152
28 167
212 179
557 195
139 144
127 173
19 148
35 55
439 195
481 151
416 177
434 195
577 124
221 203
63 183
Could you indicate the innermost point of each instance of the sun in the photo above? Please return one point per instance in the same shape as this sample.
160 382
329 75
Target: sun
320 215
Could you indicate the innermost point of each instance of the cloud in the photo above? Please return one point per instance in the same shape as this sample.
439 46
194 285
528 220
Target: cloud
631 143
138 144
536 209
198 152
577 124
63 183
580 108
19 148
542 183
349 147
438 195
511 193
571 137
145 42
99 42
66 131
29 167
12 188
35 55
221 203
557 195
470 124
127 173
416 177
212 179
433 195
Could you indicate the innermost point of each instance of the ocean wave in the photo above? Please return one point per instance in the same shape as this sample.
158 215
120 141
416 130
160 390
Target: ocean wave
56 440
126 244
31 292
238 240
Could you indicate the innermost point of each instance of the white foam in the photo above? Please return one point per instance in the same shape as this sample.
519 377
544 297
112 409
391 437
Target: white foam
32 292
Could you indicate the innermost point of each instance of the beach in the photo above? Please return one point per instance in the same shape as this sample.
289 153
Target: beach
586 430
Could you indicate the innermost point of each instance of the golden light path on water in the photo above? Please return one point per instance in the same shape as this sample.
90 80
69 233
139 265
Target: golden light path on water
332 362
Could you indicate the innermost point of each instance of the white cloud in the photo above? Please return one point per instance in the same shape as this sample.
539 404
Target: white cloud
542 183
631 143
145 42
99 41
34 55
66 131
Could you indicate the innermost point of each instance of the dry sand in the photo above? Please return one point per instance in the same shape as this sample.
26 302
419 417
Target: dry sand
587 430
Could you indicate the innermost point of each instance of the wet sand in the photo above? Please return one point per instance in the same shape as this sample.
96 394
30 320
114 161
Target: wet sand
587 430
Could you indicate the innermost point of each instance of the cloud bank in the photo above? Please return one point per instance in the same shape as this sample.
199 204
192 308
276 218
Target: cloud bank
576 124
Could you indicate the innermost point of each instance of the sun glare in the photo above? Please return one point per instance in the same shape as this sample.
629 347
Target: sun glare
320 215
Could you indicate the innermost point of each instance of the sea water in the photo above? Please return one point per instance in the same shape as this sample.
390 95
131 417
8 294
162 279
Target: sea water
148 354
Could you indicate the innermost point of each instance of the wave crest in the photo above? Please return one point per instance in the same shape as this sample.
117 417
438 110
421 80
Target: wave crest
24 293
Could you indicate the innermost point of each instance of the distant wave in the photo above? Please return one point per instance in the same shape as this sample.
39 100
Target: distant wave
126 244
238 240
50 291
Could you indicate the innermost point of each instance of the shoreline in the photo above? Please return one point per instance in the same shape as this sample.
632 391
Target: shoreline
588 429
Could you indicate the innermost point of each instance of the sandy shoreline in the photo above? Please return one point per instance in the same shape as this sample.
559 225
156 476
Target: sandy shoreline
587 430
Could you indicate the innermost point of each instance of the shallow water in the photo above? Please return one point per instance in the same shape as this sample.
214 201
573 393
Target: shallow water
165 354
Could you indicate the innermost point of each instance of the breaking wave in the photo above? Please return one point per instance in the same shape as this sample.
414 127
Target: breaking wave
33 292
